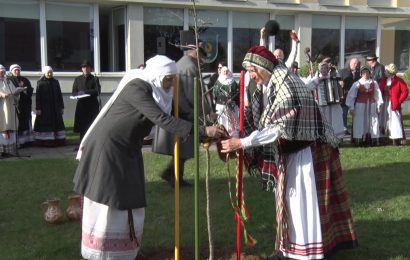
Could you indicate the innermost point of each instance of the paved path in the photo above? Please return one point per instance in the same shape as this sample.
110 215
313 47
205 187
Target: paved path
67 152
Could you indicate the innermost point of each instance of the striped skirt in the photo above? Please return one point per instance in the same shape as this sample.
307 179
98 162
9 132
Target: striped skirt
316 219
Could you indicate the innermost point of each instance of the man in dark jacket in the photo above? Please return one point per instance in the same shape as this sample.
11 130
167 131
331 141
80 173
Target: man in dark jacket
87 88
376 68
348 76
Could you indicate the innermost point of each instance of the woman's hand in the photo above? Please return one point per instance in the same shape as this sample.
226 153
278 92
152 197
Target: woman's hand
231 145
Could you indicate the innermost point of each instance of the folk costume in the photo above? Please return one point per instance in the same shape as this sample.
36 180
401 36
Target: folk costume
25 129
87 107
49 129
332 112
365 99
299 162
395 92
9 97
226 94
110 173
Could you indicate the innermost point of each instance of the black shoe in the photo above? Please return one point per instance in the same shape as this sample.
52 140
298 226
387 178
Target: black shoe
183 183
347 132
168 179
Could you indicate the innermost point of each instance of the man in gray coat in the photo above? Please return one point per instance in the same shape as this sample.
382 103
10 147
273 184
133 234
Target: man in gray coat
187 68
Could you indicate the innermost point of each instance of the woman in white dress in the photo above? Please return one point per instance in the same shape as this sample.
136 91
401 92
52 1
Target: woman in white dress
364 100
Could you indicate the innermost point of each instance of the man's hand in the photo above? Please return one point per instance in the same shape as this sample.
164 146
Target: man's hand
231 145
263 33
4 95
294 36
215 131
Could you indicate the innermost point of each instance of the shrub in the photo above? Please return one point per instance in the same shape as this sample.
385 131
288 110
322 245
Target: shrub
305 68
406 76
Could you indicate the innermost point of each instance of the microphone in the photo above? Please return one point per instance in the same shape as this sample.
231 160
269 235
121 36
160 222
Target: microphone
272 27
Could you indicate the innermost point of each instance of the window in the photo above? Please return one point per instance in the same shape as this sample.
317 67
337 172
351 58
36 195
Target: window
282 39
360 36
161 32
326 37
246 33
112 38
212 26
395 32
20 34
69 35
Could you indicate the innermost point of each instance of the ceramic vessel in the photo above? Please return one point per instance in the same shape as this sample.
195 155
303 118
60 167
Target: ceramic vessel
74 208
51 211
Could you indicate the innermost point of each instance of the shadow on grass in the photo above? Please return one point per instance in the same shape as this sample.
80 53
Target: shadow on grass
379 183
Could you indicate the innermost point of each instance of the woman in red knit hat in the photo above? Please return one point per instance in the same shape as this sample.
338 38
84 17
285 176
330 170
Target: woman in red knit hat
299 161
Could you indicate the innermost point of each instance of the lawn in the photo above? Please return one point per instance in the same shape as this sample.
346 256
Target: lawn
377 181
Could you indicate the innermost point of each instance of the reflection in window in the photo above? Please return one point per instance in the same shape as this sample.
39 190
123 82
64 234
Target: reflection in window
212 26
161 32
20 35
396 32
246 27
360 36
112 38
69 35
325 38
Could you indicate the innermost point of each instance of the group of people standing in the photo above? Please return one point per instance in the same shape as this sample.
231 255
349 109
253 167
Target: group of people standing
288 142
368 93
16 126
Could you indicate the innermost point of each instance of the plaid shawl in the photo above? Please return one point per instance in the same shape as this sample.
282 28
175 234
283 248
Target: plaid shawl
291 108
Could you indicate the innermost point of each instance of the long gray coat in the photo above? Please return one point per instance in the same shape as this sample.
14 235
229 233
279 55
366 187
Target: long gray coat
111 169
187 70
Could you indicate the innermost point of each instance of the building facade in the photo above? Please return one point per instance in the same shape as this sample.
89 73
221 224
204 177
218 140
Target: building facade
118 35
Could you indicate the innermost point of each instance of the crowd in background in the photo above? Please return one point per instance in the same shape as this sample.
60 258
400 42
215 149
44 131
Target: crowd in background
17 127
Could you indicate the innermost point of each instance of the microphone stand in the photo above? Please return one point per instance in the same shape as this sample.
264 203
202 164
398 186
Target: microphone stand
16 125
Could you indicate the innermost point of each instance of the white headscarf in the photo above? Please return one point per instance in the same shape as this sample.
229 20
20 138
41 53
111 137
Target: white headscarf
14 66
47 69
225 79
157 68
2 68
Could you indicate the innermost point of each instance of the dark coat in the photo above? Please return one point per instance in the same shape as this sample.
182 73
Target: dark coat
87 108
377 72
49 101
111 169
25 103
187 70
348 79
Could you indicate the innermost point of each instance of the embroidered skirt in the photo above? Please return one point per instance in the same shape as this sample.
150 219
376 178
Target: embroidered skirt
106 232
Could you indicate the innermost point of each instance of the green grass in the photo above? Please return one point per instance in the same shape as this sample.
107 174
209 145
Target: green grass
71 138
377 180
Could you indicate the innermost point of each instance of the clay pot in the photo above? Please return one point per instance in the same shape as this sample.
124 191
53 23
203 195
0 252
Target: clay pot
52 212
74 208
